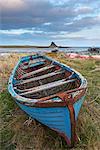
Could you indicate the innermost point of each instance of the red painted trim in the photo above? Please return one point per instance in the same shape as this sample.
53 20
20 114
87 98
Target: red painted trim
69 103
46 105
66 98
73 123
62 96
61 93
64 136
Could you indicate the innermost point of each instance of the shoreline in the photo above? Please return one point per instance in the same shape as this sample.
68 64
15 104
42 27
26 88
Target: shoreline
67 55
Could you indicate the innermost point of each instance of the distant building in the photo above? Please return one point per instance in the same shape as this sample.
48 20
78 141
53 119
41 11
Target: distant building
53 45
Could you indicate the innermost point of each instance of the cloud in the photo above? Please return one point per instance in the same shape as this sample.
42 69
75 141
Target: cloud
15 32
83 23
20 31
12 5
47 23
51 19
18 14
84 10
29 13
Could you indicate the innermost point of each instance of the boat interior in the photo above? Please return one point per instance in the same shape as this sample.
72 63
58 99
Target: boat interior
40 77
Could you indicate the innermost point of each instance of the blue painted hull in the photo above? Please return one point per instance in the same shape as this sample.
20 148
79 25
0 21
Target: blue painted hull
56 118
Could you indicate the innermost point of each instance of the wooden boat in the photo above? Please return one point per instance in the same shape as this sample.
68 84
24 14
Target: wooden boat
49 92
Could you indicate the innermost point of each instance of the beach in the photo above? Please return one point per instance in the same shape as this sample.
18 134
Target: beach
19 131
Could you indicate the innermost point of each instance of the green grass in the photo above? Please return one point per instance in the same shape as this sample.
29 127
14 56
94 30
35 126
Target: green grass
17 134
7 107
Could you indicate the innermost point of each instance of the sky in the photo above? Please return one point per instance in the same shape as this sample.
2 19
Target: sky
39 22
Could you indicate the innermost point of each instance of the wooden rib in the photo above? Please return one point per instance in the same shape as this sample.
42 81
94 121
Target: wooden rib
45 86
20 71
36 71
40 77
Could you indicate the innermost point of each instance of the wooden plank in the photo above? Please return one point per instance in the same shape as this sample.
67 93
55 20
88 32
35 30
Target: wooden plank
40 77
33 64
37 71
32 61
45 86
36 60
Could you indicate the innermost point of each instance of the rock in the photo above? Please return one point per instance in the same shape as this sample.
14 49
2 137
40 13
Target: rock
94 50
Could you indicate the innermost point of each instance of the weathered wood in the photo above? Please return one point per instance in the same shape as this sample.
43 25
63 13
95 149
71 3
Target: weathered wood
45 86
37 71
40 77
30 64
36 60
34 65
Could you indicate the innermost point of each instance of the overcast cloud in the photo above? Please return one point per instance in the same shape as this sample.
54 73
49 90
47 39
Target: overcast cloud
62 21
